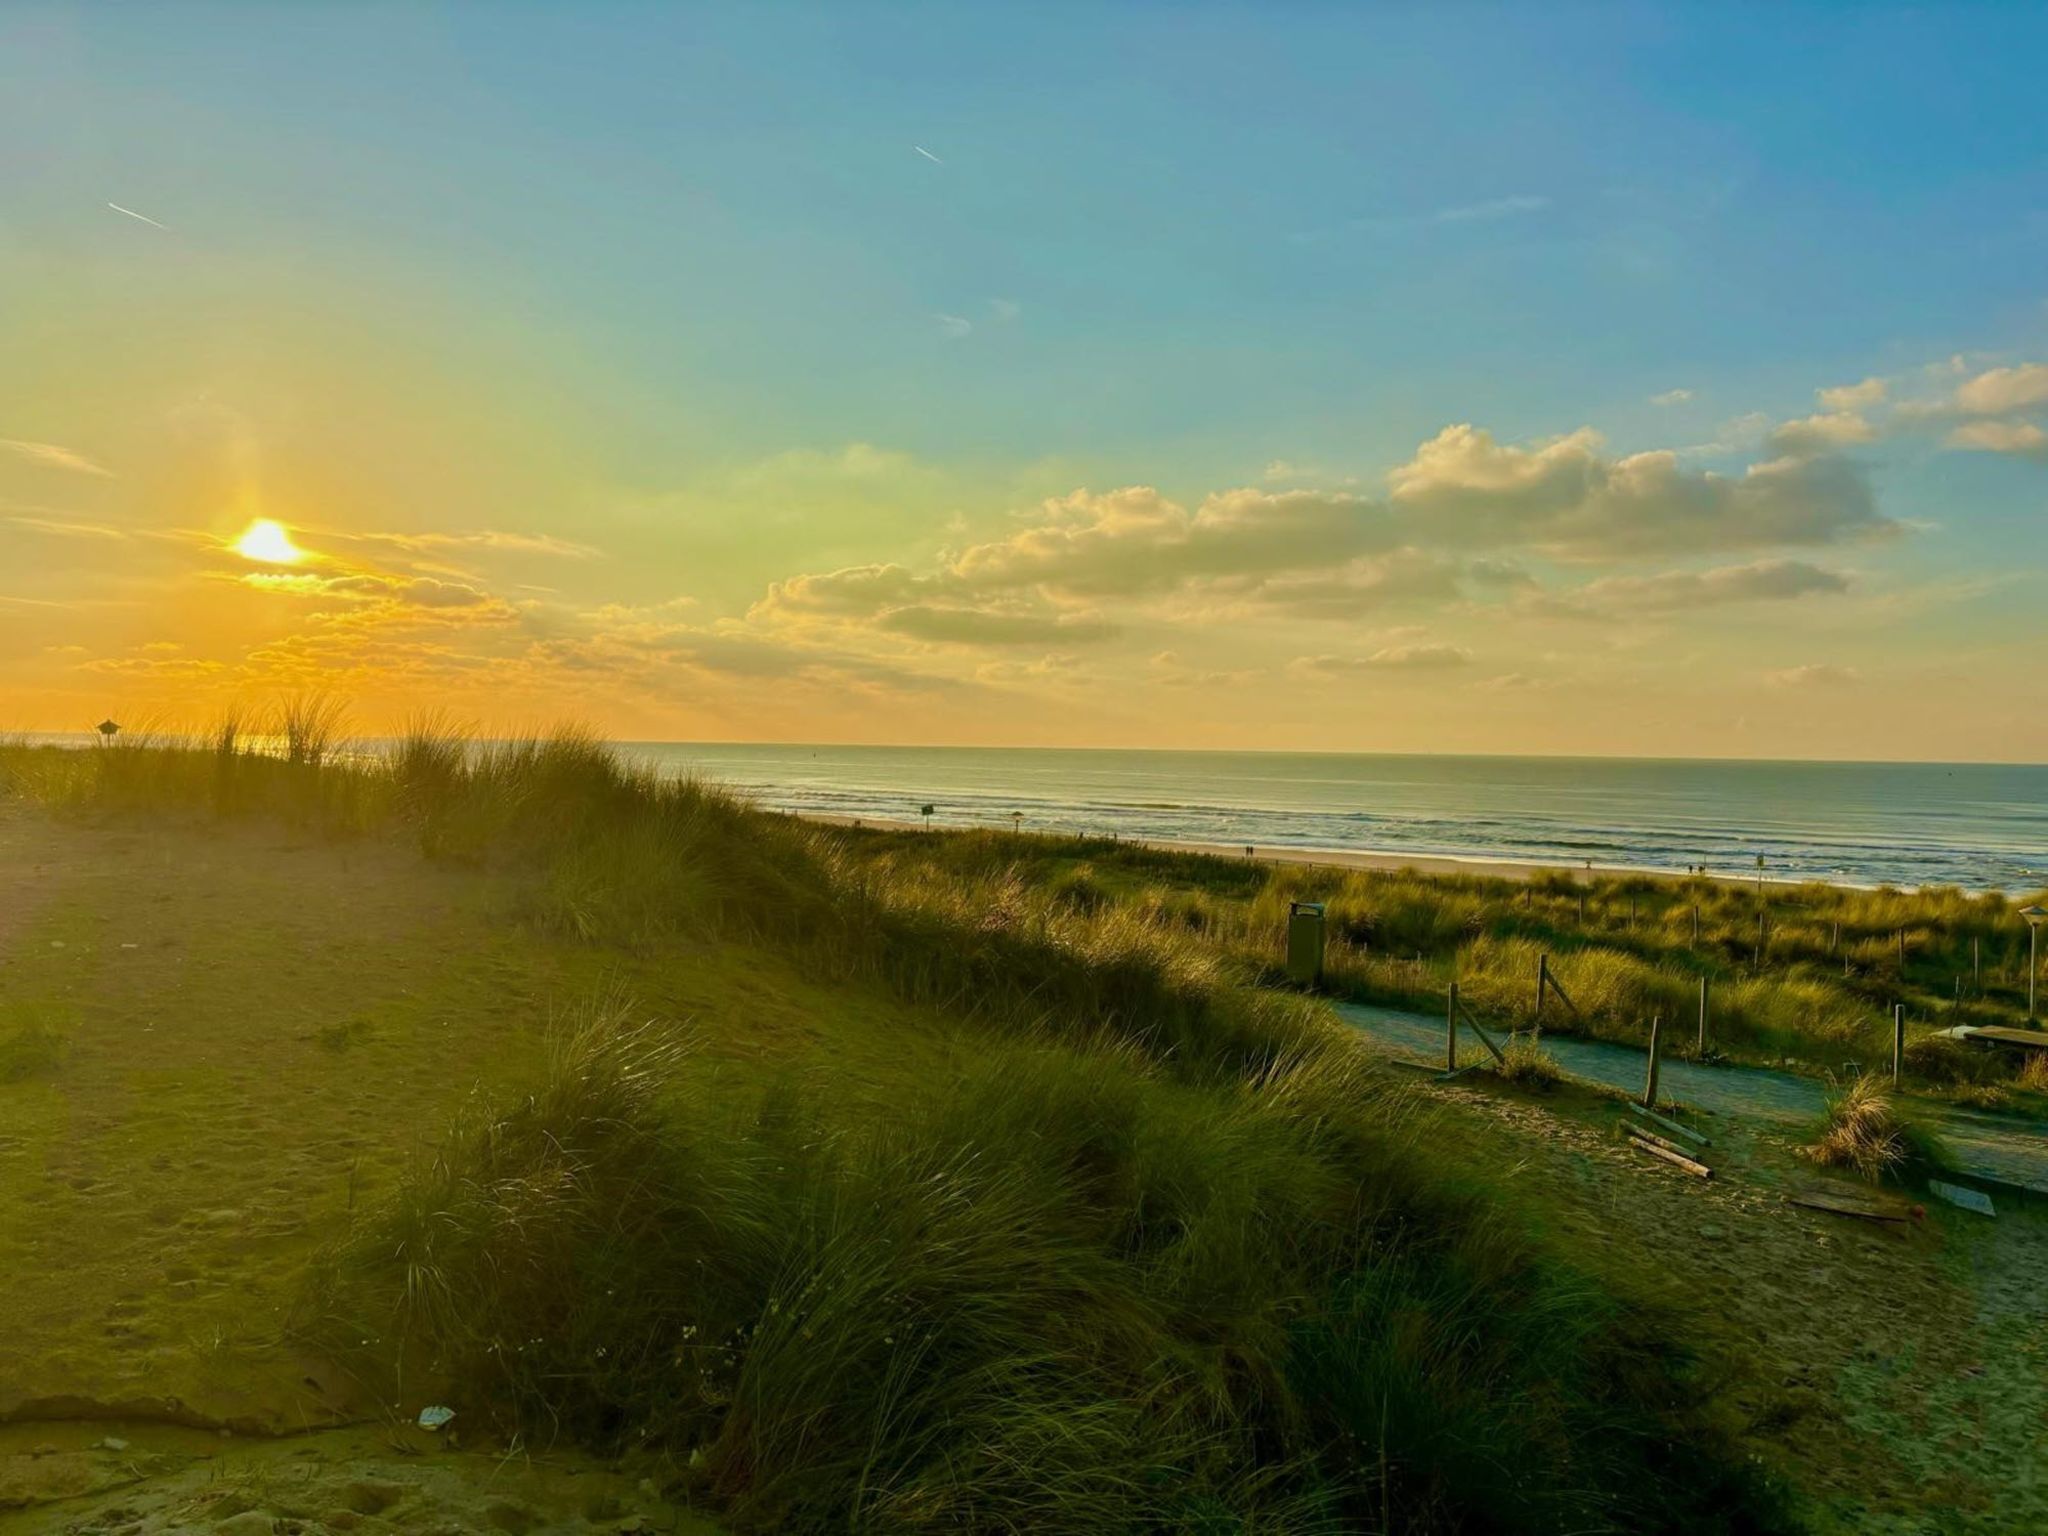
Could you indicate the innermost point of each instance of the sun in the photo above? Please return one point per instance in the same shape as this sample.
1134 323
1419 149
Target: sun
268 542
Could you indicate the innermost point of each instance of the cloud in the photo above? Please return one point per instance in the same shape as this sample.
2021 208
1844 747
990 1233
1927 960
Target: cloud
1392 658
50 456
1134 540
1826 433
1672 591
1465 213
954 326
367 586
486 539
977 626
65 528
1814 675
2023 438
1853 397
1671 397
1999 391
1566 497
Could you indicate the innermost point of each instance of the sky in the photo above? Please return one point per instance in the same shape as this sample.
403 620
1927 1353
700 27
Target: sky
1659 380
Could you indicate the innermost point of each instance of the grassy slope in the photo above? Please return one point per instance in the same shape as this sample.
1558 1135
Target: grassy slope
323 938
255 1027
1820 991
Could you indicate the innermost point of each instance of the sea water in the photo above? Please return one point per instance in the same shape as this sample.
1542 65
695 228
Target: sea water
1978 825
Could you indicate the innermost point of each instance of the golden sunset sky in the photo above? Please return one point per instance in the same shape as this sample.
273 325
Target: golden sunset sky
1572 382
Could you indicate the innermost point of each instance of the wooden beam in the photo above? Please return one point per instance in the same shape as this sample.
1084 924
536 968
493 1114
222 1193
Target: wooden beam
1676 1159
1672 1126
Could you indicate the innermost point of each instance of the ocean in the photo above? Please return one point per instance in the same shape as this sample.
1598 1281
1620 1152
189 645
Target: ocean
1981 826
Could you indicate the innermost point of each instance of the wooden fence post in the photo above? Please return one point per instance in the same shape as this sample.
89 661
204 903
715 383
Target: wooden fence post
1542 986
1695 925
1650 1085
1898 1041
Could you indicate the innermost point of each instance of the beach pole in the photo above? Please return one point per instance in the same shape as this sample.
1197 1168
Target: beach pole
1695 925
1451 1031
1898 1041
1650 1086
1701 1052
1542 986
1976 966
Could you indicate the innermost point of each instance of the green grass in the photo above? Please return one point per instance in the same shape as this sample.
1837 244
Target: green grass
1160 1253
1062 1291
1820 990
33 1039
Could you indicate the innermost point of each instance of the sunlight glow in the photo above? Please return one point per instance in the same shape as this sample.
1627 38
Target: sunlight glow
270 542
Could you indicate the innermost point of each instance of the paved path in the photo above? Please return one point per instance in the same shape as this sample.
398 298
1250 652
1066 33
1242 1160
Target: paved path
1997 1146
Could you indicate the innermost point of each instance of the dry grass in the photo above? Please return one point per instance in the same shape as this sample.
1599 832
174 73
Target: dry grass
1864 1131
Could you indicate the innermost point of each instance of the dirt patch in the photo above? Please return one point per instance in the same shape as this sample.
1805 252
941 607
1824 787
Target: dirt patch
1897 1375
148 1480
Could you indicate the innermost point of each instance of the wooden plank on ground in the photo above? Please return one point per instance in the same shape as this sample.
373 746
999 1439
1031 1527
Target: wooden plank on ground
1640 1134
1672 1126
1676 1159
1838 1205
1957 1194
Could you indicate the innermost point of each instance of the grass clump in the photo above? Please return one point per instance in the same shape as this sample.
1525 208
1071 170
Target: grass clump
1525 1062
32 1043
1065 1291
1866 1132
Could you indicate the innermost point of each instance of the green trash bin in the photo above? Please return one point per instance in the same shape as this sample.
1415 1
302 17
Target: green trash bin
1305 942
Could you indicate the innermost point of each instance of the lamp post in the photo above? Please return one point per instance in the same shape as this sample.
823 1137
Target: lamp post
2033 915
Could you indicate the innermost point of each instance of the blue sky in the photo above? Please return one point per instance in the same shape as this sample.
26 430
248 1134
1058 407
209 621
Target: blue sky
640 264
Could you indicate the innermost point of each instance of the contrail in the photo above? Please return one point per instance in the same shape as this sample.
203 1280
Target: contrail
142 216
935 160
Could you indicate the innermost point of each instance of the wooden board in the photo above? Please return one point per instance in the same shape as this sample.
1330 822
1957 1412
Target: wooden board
1676 1159
1957 1194
2000 1034
1672 1126
1837 1205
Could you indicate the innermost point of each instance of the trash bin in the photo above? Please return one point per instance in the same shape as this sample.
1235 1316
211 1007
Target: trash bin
1305 942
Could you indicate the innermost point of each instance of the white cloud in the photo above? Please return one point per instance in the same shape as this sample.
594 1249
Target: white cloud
1392 658
50 456
1826 433
1817 674
2023 438
1671 397
1997 391
1670 591
953 326
1853 397
1568 498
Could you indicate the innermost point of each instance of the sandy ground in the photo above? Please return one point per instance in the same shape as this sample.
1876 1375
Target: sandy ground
150 1480
1897 1374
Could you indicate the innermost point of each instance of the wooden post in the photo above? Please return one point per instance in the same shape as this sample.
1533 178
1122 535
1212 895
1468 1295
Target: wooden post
1702 1050
1835 938
1695 925
1631 911
1451 1032
1976 966
1898 1041
1759 938
1650 1085
1582 909
1542 986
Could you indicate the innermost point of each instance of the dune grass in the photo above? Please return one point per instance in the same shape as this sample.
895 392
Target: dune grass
1819 987
1063 1291
1865 1131
1165 1254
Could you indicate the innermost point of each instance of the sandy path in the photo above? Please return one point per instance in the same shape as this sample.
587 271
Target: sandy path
1996 1147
